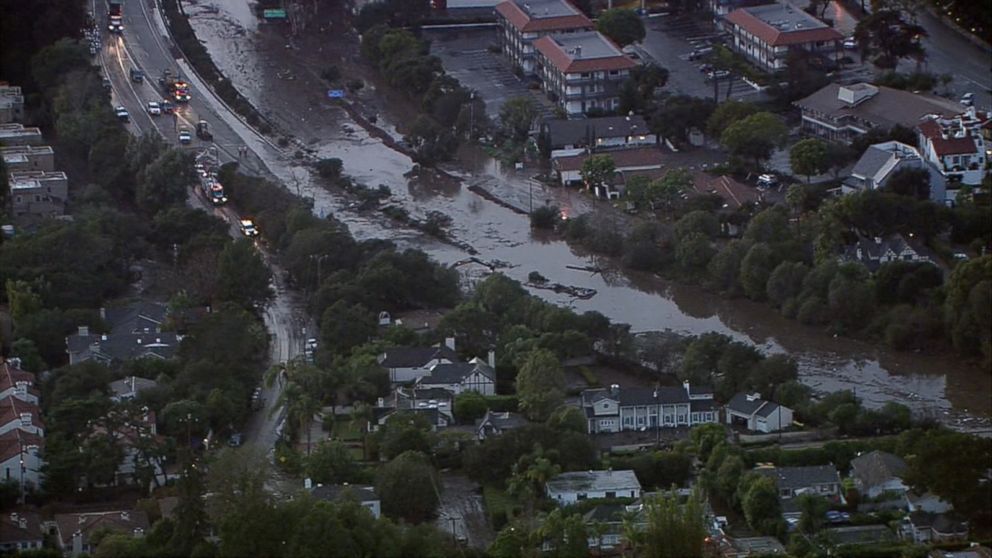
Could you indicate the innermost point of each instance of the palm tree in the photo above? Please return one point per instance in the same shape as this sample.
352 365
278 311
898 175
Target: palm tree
300 407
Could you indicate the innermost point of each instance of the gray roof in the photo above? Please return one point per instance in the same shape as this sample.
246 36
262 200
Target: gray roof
801 477
414 357
123 346
131 384
502 421
741 404
767 409
539 9
877 467
332 492
584 131
591 44
583 481
885 109
872 249
859 534
940 522
455 373
632 396
871 161
700 390
141 316
785 17
702 405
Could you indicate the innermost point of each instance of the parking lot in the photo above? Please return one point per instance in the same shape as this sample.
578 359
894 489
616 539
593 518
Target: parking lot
668 43
465 56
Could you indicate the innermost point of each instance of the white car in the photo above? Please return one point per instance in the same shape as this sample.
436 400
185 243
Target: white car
154 108
968 99
122 114
767 181
184 136
850 43
248 228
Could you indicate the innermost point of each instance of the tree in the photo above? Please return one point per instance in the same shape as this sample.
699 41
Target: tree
967 305
598 170
759 502
702 222
540 384
622 26
331 463
808 157
300 406
674 530
432 142
813 509
329 168
786 282
408 488
344 326
243 278
678 114
531 473
191 517
569 418
164 182
910 182
694 251
516 116
404 432
884 34
727 114
756 269
755 137
564 535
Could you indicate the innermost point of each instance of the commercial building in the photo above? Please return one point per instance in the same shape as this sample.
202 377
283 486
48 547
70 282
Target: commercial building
582 71
569 488
765 35
11 103
28 158
521 22
17 134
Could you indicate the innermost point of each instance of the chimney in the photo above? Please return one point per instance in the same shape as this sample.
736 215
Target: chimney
77 539
578 51
450 342
380 402
685 384
125 516
103 313
84 330
25 419
132 384
492 359
614 389
14 362
22 522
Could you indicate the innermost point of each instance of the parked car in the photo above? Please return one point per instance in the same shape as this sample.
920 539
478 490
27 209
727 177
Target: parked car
850 43
184 136
154 108
122 114
767 181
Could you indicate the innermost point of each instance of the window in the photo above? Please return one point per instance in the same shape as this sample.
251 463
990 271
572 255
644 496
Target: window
611 494
584 75
580 496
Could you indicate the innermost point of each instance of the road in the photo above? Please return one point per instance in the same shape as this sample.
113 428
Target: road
143 47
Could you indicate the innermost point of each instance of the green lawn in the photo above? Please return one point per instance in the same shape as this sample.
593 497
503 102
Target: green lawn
347 430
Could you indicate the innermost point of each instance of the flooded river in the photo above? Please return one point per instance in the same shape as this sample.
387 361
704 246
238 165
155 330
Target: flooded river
258 61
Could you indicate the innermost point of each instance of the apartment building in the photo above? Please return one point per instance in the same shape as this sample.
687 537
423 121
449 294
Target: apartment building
521 22
766 34
582 71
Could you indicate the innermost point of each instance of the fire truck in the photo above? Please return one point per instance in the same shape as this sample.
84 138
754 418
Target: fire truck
176 89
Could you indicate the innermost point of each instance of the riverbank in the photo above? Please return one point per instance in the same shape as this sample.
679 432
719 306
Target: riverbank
929 384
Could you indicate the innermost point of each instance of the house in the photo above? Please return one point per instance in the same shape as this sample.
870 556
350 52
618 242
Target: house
118 347
735 194
637 408
73 530
130 387
765 35
494 424
754 413
17 383
926 527
569 488
842 112
11 103
136 433
569 168
858 535
364 495
791 482
743 547
521 22
582 71
974 550
877 473
140 316
457 377
927 502
570 137
881 160
956 147
873 252
28 158
16 414
608 520
407 364
17 134
435 404
20 530
38 193
21 458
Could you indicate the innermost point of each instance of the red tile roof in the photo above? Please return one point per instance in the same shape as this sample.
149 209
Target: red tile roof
947 146
775 37
12 407
565 63
624 158
16 440
525 24
9 376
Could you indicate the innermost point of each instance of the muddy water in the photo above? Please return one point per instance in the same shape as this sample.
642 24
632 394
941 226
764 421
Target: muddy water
935 385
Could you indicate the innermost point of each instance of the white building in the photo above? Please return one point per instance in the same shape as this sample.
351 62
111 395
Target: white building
569 167
957 148
766 34
582 71
130 387
569 488
880 161
16 134
757 414
637 408
16 414
73 530
21 458
17 383
11 104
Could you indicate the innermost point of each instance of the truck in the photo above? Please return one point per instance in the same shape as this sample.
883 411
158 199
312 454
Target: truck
176 89
115 16
213 189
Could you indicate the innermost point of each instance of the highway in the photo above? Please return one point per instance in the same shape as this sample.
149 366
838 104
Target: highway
144 46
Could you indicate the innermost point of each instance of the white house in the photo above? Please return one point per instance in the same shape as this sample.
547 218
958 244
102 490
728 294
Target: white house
457 377
434 404
956 147
364 495
881 160
569 488
17 383
408 364
20 530
496 423
20 458
569 168
877 473
616 408
16 414
873 252
757 414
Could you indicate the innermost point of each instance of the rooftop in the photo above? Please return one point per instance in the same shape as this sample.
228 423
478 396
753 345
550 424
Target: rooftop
746 404
532 16
582 481
877 467
131 385
124 346
11 409
119 521
332 492
734 193
586 51
34 179
10 375
954 136
801 477
21 153
20 526
624 158
415 357
879 155
878 105
140 316
632 396
584 131
457 372
782 24
15 441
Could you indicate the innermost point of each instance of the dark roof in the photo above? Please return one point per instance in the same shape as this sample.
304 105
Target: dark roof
631 396
740 403
20 526
640 157
885 108
801 477
455 373
503 421
561 15
131 384
15 441
141 316
809 29
940 522
606 513
700 390
872 249
123 346
121 521
413 357
332 492
767 409
585 131
877 467
702 405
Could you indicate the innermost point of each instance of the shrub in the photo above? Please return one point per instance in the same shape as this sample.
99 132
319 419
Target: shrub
536 277
544 217
331 74
330 168
283 142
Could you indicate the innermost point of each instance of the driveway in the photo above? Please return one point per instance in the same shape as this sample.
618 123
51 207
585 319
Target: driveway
461 513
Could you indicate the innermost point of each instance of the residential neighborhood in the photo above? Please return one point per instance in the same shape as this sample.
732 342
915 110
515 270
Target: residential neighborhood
496 278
